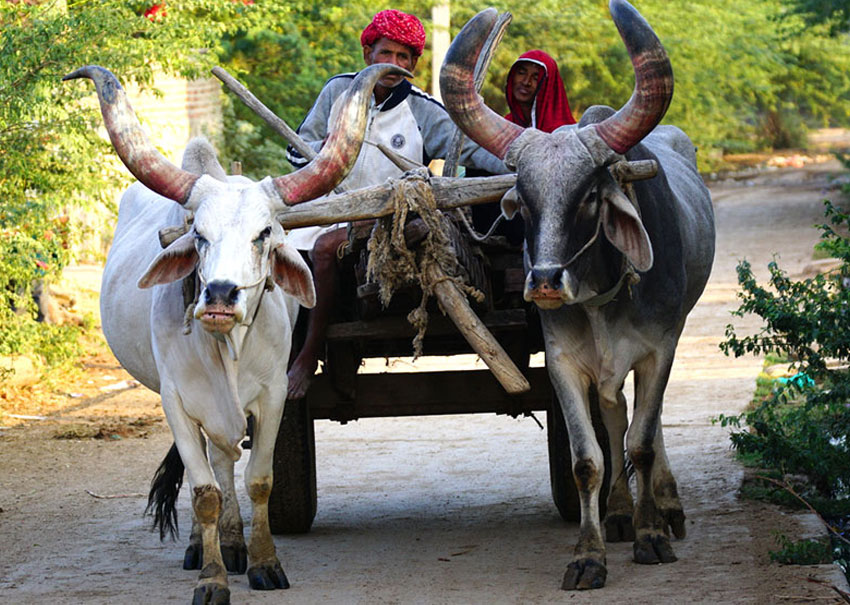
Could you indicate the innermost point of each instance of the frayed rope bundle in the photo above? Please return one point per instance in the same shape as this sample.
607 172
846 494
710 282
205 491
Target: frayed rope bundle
392 265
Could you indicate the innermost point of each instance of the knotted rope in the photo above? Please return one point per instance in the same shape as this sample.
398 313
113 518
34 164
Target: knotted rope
392 265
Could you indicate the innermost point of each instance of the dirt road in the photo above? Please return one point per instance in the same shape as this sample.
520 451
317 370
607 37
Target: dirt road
427 510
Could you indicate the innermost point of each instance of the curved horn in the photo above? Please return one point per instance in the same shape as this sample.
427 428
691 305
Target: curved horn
457 84
653 81
342 147
131 143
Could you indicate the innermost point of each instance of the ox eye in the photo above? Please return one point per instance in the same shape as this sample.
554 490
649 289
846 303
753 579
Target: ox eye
264 234
200 241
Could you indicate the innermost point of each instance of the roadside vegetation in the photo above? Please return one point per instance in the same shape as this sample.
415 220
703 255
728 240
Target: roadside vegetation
52 157
749 76
797 429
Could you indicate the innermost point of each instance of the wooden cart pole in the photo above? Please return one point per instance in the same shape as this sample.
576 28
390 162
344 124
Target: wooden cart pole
482 341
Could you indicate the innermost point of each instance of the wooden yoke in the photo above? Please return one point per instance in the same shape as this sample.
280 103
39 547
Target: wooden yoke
374 202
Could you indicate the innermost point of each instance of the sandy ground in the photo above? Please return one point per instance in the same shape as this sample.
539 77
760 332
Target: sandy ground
450 509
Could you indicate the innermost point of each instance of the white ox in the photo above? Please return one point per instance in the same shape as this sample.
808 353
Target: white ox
233 362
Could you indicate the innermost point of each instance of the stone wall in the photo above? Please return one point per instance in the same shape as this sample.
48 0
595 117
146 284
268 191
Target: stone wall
185 109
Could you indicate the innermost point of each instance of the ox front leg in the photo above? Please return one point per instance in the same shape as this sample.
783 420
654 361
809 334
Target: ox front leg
587 569
193 558
212 582
206 501
652 542
264 568
620 506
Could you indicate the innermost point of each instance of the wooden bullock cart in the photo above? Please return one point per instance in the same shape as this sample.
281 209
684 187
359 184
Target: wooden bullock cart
363 328
502 329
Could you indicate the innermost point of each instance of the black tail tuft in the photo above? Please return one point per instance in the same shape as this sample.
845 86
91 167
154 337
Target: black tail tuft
162 499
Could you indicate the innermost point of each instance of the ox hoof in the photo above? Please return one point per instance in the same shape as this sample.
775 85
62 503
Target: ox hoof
619 528
584 574
211 594
194 557
235 557
674 518
653 549
267 577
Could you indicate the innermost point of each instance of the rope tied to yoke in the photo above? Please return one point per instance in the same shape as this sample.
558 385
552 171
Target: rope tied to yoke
629 276
392 265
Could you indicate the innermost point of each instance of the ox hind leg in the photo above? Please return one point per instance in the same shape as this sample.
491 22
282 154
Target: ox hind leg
264 568
652 542
618 517
231 539
666 490
230 530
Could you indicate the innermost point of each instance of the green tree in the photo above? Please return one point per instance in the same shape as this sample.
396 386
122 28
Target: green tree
51 156
834 13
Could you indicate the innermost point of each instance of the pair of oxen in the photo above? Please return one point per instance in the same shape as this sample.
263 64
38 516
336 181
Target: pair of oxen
616 257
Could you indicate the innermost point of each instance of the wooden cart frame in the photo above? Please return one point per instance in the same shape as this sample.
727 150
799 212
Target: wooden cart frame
505 322
342 394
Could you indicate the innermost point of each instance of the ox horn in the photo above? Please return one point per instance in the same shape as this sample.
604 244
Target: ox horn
457 84
130 141
653 81
342 147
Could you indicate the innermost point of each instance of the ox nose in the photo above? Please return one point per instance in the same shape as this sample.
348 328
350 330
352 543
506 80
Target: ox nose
222 293
545 280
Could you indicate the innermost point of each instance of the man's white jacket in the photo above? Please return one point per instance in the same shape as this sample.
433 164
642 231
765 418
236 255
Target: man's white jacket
410 122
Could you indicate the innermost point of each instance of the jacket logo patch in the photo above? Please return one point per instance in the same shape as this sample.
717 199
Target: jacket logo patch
397 141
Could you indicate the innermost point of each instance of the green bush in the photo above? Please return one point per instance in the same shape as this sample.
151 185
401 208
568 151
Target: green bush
803 425
801 552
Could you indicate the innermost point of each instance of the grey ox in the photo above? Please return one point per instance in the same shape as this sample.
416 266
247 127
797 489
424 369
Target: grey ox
233 362
614 275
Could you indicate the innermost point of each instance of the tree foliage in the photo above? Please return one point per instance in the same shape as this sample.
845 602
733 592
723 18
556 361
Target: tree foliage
833 13
51 156
747 75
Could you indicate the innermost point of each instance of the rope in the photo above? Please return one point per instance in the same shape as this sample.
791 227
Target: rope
392 265
471 230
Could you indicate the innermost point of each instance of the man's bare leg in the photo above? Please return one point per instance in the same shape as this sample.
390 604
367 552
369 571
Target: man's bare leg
324 257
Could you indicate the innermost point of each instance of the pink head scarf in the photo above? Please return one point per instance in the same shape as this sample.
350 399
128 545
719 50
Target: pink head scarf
551 106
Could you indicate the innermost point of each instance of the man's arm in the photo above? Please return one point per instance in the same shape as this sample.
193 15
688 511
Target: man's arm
437 129
314 128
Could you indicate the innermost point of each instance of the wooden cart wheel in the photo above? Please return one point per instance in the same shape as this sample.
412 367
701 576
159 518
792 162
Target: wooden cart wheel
292 505
564 491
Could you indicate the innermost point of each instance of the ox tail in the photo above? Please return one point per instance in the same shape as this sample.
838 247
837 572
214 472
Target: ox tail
162 499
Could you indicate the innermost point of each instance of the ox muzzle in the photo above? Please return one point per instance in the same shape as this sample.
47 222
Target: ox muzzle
549 287
219 308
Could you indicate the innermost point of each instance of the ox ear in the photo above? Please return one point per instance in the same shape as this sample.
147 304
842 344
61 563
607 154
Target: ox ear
624 229
510 203
293 275
175 262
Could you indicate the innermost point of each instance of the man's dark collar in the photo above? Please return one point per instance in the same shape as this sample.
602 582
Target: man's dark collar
399 93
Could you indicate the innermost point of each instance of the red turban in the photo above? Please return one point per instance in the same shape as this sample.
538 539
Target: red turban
396 26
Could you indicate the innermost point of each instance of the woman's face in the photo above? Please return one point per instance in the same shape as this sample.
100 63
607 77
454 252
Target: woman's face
526 78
